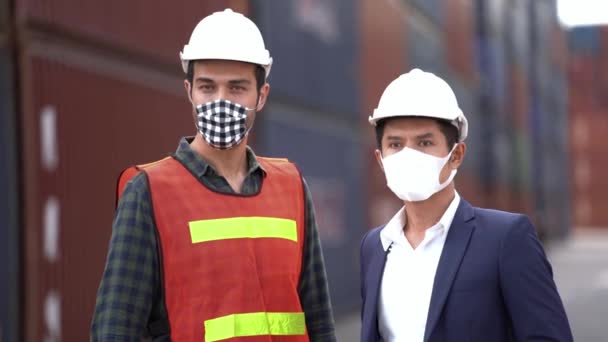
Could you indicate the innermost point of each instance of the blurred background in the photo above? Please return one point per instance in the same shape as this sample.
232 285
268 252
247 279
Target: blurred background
88 88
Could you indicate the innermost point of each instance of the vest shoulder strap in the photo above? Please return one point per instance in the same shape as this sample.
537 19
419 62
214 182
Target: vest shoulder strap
127 174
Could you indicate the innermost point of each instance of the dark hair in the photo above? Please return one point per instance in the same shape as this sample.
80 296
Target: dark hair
449 131
260 75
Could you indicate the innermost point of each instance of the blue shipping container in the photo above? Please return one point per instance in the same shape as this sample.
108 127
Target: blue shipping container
585 40
431 8
425 48
315 51
330 159
9 238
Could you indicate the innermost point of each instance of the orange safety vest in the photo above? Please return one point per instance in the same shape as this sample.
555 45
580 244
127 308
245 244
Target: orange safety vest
231 263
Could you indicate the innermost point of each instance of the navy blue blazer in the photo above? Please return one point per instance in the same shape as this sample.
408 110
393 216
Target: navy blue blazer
493 283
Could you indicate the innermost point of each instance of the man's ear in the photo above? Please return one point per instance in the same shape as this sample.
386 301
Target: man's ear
264 91
188 88
378 155
457 156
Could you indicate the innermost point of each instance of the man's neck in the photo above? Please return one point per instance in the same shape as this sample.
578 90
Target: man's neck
230 164
424 214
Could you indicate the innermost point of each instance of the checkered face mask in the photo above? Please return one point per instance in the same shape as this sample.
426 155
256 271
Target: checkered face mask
222 123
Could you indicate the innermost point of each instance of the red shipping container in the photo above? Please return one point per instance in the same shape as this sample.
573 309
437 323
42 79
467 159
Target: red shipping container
588 166
383 58
383 48
460 37
139 28
519 91
79 129
590 210
559 46
583 83
469 187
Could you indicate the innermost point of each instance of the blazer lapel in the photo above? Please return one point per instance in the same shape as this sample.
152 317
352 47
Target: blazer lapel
376 269
454 249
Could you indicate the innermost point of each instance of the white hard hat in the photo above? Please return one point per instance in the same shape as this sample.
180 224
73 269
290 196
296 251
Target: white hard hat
420 93
227 35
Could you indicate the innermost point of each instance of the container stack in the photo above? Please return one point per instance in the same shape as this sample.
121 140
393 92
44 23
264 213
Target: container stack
588 124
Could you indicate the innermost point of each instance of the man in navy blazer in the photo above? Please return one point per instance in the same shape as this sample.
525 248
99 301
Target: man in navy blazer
441 269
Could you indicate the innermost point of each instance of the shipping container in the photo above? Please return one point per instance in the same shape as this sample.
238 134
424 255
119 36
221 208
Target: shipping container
425 46
585 40
9 200
521 168
517 31
308 41
460 38
519 102
137 29
382 48
559 47
496 118
431 9
5 15
468 101
383 57
75 143
493 16
331 164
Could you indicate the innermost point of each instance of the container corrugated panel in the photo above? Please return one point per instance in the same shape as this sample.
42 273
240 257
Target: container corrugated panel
536 165
433 9
518 22
493 15
425 47
604 38
4 16
9 199
314 46
588 167
492 103
519 101
158 30
382 29
460 38
582 71
543 19
468 101
469 187
331 164
559 50
584 40
76 138
522 159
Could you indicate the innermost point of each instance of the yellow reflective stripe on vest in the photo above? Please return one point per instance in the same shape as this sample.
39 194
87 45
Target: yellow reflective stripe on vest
243 227
255 324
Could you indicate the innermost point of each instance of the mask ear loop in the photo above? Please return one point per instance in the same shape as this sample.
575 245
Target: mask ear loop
257 103
248 129
453 173
451 152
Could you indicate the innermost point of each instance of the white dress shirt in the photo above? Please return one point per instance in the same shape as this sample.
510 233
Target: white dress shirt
409 274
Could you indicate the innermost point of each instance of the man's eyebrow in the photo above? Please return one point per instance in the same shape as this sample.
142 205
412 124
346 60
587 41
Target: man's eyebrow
240 81
204 80
424 136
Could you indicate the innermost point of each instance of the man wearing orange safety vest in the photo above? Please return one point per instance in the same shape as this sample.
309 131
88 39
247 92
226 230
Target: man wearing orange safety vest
214 243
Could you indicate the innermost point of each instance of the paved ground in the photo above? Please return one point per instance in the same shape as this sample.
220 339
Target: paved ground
580 265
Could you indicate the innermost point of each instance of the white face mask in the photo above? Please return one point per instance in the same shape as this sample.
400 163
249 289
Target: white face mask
414 176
